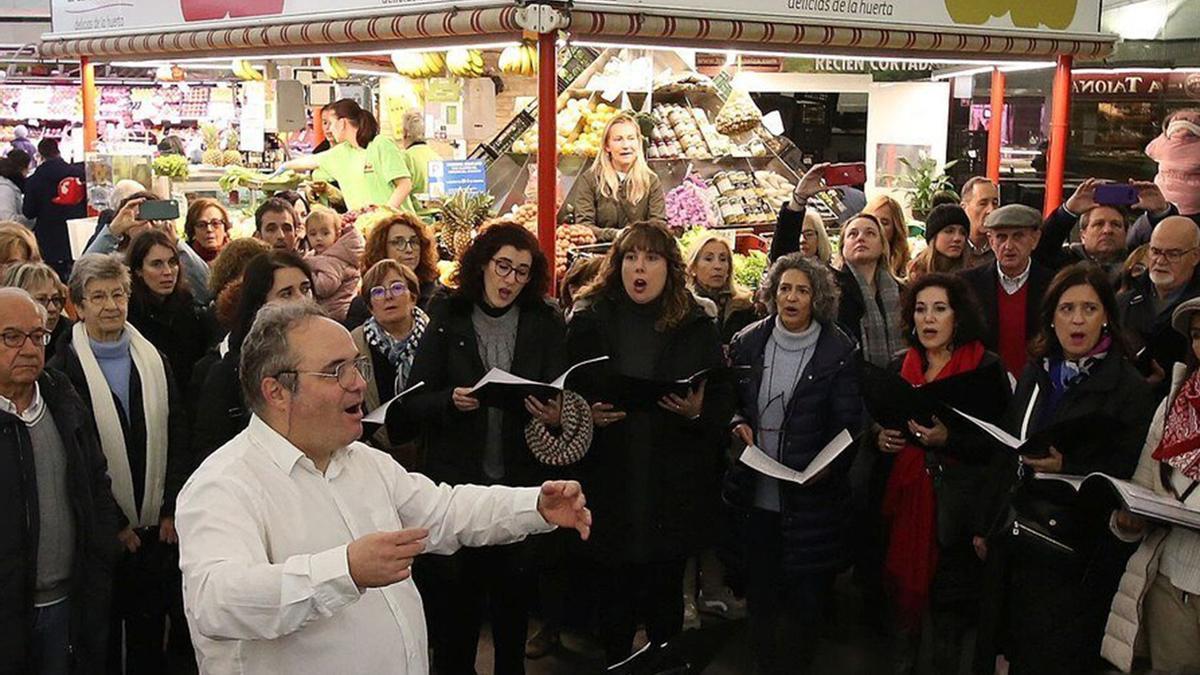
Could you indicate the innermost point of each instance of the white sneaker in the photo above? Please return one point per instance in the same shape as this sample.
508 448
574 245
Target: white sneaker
723 604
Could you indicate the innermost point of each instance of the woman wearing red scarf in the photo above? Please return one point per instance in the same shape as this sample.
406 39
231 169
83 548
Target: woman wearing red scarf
929 504
1160 589
1055 574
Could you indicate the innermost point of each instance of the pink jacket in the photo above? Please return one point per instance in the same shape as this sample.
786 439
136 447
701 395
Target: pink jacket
335 272
1177 151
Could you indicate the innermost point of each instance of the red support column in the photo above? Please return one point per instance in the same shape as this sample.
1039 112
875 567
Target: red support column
1060 126
87 73
996 127
547 155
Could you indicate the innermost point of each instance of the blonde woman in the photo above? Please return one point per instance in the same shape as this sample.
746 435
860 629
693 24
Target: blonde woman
620 188
814 239
710 275
895 229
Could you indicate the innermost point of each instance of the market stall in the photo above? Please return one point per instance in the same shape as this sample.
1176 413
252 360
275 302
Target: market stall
720 165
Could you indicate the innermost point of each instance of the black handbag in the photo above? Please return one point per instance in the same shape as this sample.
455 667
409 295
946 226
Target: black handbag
1043 518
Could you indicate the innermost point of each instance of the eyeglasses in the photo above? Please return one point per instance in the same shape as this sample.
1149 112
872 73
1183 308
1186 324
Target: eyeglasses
395 290
345 376
118 297
1170 254
13 339
504 267
411 243
51 301
211 224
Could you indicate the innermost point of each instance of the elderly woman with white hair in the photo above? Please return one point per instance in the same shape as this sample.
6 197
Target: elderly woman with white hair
800 390
129 391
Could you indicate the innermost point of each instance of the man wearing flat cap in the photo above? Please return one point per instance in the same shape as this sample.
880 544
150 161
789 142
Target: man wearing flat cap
1010 289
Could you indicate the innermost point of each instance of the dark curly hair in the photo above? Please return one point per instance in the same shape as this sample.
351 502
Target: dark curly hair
678 300
469 276
376 246
968 318
1080 274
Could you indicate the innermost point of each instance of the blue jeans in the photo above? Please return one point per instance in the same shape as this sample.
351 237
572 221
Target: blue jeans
52 639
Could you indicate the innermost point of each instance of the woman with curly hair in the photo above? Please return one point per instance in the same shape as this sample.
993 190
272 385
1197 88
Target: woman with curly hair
653 472
496 317
407 240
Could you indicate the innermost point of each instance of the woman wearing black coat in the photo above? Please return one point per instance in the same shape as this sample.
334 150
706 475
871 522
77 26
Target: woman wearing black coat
221 414
652 473
936 473
162 307
1058 600
497 318
800 392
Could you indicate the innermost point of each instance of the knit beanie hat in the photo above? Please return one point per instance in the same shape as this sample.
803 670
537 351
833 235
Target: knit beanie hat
943 216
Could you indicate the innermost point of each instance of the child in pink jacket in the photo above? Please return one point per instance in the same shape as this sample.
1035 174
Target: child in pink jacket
337 252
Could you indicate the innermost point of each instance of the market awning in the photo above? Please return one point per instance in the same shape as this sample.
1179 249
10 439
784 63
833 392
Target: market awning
496 24
721 34
378 32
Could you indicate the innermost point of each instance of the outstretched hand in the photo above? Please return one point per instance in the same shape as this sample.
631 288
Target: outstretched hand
562 503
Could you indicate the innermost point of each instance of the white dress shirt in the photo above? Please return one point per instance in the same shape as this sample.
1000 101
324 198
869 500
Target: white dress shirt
263 537
1013 284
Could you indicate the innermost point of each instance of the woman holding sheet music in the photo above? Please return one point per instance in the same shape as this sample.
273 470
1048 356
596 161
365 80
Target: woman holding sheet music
1086 408
800 392
931 505
1158 594
497 317
652 473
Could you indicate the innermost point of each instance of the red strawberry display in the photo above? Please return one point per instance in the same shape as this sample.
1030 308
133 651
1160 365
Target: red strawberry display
208 10
69 193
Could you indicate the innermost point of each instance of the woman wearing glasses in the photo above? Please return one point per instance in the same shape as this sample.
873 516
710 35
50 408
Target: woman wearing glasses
405 239
653 472
277 276
390 338
497 317
800 391
206 228
161 305
42 282
129 391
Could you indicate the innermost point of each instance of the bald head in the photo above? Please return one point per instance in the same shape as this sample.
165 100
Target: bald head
23 323
14 301
1173 254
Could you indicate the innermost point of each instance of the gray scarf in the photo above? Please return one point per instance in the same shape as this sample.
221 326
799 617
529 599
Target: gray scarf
880 329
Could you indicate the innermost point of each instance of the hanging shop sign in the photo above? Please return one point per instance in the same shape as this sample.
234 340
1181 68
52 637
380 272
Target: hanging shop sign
1075 16
1177 85
83 16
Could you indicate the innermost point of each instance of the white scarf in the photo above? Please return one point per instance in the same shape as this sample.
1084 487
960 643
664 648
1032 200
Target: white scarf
150 370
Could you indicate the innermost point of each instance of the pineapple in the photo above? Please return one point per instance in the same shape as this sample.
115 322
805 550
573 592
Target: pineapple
212 145
461 214
231 158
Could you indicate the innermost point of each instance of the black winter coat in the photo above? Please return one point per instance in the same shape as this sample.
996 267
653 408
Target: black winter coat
985 283
657 505
41 189
220 413
1055 252
816 517
95 516
177 327
1147 328
133 423
448 357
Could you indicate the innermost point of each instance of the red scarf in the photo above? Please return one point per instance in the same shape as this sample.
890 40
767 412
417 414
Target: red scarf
909 506
1180 444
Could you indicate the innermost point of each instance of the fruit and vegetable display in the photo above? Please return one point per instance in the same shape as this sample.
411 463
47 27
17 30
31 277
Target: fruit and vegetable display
246 71
419 64
366 218
462 62
739 114
519 59
690 205
333 68
171 166
240 177
749 198
580 124
567 237
462 213
214 155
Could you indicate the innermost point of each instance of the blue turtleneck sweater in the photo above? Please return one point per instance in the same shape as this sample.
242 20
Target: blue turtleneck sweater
116 362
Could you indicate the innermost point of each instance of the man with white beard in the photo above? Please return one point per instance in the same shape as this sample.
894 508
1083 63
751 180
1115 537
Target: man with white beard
1146 310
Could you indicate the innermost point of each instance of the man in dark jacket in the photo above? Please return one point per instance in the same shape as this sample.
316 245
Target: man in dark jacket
1146 310
1102 228
58 533
54 194
980 197
1010 289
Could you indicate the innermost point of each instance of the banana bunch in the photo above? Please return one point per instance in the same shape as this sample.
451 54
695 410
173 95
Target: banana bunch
334 68
520 59
419 64
465 62
244 70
